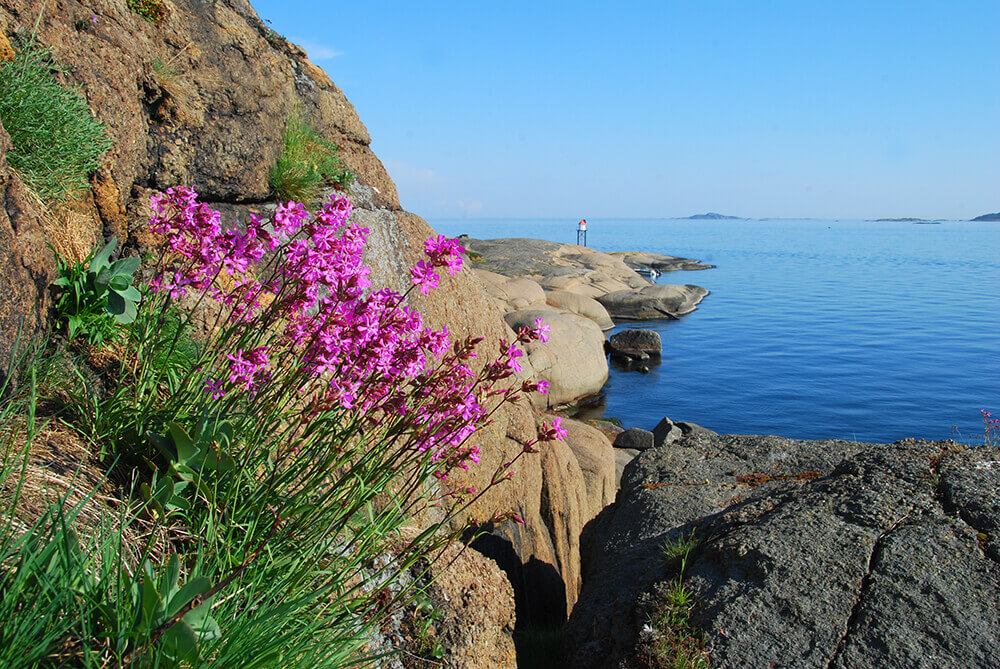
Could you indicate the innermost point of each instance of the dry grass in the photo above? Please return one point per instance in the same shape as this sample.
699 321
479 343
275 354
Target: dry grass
60 467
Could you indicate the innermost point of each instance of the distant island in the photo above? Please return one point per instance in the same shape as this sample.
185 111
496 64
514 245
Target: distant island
712 216
988 217
900 220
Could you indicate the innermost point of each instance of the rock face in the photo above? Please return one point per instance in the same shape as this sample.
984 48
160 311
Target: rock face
659 301
635 438
216 124
26 266
572 361
813 554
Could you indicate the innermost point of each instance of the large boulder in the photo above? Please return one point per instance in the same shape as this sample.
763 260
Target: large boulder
572 361
658 301
581 305
825 553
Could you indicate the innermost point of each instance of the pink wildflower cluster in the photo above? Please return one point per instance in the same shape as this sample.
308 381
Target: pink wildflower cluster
355 348
442 252
991 429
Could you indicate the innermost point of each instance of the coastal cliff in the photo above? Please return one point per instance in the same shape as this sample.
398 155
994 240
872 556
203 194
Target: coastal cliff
200 97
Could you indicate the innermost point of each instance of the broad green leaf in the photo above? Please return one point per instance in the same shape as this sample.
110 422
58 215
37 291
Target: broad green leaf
194 587
125 266
120 283
116 304
182 442
181 641
100 261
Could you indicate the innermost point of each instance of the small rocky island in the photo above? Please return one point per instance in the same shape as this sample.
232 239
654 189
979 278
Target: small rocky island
988 217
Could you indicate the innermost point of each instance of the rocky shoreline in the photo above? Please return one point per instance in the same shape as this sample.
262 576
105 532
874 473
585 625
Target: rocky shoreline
802 553
580 293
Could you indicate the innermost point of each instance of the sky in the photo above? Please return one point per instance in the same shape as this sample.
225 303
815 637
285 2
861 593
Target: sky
659 109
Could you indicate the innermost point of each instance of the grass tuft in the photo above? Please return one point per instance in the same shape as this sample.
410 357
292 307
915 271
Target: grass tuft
153 11
307 163
56 140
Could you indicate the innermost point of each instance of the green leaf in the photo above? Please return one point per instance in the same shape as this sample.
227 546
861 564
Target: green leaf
181 641
125 266
132 294
130 313
116 304
100 261
186 449
120 283
193 588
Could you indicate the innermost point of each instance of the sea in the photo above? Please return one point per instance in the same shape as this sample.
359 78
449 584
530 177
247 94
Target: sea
814 329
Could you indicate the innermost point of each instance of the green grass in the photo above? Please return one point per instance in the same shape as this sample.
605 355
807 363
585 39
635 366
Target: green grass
678 644
56 141
307 163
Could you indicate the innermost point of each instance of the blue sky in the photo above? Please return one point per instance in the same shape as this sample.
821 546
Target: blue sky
648 109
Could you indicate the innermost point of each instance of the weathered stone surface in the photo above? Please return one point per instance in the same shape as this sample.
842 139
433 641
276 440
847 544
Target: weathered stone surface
596 459
871 562
572 361
689 429
475 602
26 266
582 305
666 432
635 438
511 294
659 301
632 341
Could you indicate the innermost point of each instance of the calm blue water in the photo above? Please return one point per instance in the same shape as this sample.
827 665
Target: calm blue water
814 328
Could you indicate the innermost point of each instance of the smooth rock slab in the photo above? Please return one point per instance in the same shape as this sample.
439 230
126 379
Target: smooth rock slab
658 301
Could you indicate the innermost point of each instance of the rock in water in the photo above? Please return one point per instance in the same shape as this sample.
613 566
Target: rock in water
637 341
572 361
666 432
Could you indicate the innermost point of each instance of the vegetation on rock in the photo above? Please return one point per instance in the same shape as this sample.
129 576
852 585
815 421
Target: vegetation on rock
307 163
56 140
265 473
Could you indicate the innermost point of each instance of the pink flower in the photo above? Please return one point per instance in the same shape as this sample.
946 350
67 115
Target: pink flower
424 276
214 386
542 330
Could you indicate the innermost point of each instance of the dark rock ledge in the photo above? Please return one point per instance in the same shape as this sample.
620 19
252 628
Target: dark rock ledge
814 554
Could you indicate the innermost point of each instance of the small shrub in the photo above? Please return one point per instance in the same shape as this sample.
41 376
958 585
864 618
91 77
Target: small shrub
153 11
56 141
307 163
95 294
